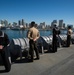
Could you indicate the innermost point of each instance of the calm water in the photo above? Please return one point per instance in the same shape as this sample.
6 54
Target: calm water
22 34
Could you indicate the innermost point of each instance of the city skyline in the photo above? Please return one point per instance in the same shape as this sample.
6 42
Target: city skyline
37 10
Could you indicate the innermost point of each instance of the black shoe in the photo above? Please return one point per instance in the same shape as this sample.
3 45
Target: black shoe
6 70
68 46
52 52
55 51
30 60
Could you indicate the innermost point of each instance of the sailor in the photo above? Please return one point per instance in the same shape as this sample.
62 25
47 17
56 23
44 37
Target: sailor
56 32
69 32
4 42
33 35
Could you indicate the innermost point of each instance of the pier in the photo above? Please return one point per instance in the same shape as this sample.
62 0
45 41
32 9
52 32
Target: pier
49 64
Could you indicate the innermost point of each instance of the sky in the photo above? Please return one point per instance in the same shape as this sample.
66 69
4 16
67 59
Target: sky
37 10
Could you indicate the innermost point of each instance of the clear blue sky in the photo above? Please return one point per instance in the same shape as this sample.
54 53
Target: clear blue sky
37 10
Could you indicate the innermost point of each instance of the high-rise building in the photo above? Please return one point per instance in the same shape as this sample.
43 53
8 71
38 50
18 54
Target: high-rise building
23 23
5 22
64 25
19 22
60 23
42 25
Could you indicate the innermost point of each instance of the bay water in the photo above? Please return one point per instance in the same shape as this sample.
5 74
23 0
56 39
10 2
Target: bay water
23 33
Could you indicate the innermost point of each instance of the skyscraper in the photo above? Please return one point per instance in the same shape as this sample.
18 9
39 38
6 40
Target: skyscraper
19 22
60 23
23 23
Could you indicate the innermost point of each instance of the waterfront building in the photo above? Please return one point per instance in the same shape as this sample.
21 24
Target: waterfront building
64 25
6 23
60 24
48 27
42 25
19 22
14 24
27 25
23 23
9 25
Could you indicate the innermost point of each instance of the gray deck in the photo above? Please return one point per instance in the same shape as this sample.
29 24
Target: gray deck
48 64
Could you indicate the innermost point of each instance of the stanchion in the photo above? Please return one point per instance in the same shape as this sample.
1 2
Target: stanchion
42 50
